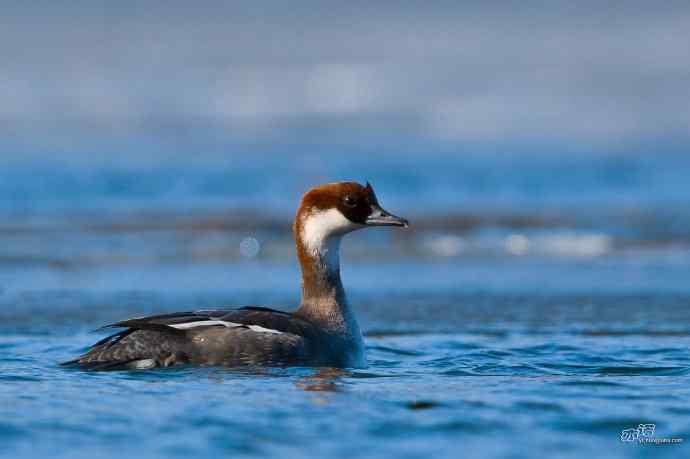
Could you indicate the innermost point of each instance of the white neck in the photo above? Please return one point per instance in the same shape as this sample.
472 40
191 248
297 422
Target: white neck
321 234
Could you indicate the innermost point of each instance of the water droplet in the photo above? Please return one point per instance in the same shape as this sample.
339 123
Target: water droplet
517 244
447 246
250 247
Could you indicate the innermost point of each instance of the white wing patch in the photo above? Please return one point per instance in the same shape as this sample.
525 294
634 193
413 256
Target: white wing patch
205 323
258 328
143 364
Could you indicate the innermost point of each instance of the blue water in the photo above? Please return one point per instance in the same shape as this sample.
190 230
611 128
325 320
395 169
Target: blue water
537 306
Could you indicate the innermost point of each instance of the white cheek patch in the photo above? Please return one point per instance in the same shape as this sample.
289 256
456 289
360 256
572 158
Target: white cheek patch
321 234
205 323
320 226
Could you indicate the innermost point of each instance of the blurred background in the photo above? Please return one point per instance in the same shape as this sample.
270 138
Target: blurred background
140 137
152 155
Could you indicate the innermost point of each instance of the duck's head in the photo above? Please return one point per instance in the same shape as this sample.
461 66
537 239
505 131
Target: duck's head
325 214
335 209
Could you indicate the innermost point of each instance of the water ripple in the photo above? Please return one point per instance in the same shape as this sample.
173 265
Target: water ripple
421 390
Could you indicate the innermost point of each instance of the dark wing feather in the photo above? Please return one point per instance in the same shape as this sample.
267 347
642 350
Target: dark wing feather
248 315
164 319
157 338
269 318
262 309
115 338
97 365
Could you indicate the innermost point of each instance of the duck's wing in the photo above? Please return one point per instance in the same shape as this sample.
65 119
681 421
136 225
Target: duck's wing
209 336
248 316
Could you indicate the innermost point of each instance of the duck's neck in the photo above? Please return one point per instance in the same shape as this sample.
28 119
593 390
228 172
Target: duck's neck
323 296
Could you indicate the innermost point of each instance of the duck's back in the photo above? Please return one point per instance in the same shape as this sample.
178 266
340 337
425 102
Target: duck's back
230 337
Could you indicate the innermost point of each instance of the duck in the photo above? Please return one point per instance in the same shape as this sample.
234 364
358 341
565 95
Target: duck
322 332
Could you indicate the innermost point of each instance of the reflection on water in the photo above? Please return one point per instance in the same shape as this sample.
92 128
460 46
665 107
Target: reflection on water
323 380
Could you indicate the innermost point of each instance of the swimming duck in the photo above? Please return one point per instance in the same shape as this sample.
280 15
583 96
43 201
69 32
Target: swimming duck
323 331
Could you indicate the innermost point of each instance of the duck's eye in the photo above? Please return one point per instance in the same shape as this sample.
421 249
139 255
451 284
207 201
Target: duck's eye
349 201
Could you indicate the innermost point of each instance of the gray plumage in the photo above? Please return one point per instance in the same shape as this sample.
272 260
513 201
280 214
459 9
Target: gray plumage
257 336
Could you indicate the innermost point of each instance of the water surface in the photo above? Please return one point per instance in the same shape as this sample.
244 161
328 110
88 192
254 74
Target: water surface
532 306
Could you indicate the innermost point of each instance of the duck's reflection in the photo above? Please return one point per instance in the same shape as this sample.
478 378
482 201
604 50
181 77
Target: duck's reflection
323 380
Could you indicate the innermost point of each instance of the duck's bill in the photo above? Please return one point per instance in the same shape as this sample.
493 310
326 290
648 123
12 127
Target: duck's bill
380 217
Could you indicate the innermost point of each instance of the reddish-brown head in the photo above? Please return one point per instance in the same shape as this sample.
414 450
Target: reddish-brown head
329 211
325 214
356 203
